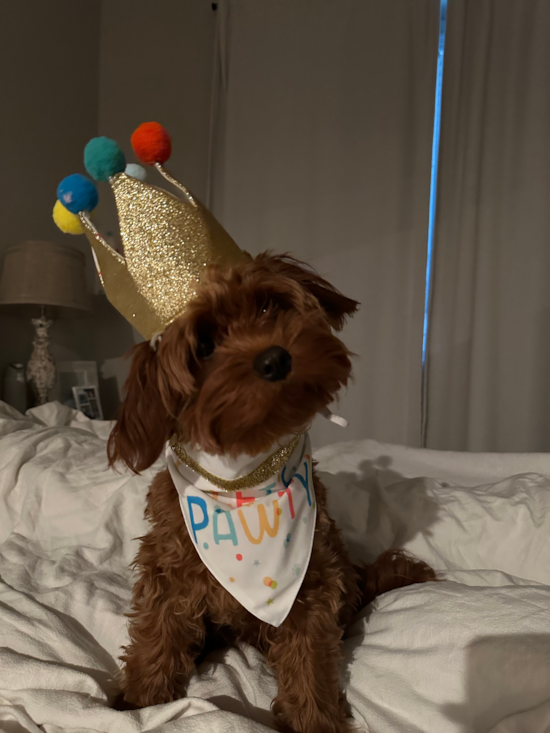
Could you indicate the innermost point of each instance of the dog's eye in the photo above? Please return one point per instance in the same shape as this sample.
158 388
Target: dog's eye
263 304
272 304
205 346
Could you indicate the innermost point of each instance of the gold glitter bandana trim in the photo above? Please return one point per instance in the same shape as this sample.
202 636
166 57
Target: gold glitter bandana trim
268 468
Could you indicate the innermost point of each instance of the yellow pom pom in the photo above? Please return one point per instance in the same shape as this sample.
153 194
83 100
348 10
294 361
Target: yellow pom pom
67 222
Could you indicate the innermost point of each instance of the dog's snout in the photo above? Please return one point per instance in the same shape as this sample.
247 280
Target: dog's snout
273 364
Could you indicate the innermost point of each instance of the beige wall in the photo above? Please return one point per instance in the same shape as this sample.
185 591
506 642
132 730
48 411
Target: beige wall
72 70
156 64
49 54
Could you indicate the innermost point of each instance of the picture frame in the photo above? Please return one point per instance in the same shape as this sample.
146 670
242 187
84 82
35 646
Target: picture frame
86 398
74 374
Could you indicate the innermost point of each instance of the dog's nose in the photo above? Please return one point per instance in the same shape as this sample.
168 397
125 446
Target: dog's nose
273 364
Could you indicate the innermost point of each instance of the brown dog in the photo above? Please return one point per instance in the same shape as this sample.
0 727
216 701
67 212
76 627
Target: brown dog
252 359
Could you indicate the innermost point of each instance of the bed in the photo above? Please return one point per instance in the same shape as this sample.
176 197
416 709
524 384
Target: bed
470 654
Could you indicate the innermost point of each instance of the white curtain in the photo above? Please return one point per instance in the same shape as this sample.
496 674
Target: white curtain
489 347
325 123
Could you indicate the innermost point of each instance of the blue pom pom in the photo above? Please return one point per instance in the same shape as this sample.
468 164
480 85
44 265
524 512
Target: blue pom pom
103 158
136 171
77 193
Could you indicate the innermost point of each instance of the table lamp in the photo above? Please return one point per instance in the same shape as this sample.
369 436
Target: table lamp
43 281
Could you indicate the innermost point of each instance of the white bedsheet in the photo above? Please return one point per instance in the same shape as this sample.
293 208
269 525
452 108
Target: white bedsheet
468 655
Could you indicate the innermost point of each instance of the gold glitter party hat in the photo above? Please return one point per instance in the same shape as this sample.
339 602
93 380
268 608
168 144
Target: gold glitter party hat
168 240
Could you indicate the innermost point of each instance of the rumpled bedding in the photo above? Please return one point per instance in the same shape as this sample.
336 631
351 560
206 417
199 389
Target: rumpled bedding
470 654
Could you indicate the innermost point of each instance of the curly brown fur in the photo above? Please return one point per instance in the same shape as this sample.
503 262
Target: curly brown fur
219 403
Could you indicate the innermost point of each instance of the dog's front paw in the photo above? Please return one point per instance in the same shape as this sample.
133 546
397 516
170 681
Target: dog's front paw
121 704
135 699
290 719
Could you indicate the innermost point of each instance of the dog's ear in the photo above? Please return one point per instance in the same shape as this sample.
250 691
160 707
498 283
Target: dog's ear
143 423
335 305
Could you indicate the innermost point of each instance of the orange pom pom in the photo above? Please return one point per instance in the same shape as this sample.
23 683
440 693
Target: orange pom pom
151 143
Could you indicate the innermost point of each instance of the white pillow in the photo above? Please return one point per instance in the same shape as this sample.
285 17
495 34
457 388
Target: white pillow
504 526
447 658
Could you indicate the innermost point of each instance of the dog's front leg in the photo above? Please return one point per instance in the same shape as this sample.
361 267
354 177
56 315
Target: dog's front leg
166 635
305 653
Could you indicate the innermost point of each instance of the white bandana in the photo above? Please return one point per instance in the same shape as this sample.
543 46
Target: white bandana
256 542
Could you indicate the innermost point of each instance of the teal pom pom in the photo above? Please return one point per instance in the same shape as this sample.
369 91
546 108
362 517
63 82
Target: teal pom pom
77 193
136 171
103 158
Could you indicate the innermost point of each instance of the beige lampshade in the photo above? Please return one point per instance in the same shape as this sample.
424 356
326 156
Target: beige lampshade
44 274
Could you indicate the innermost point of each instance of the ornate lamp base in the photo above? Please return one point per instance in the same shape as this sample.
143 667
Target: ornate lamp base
41 367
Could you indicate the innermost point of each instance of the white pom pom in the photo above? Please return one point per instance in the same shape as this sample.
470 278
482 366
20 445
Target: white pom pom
136 171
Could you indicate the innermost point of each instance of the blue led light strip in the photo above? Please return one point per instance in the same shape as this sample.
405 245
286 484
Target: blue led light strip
433 202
